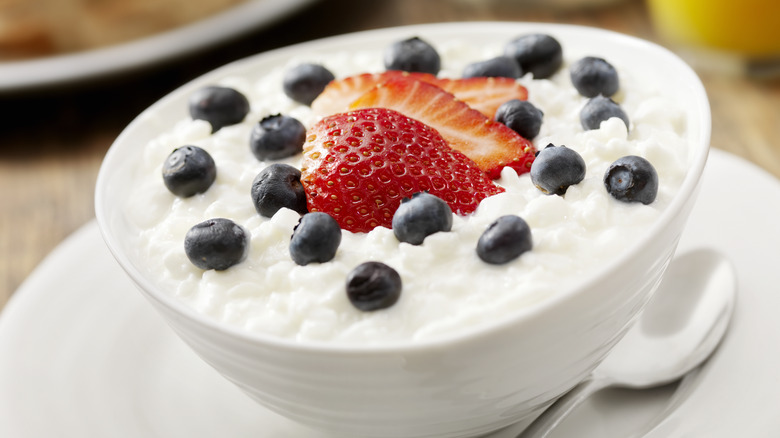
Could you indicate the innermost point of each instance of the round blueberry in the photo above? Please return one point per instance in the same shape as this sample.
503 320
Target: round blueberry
421 216
220 106
593 76
216 244
521 116
556 168
278 186
632 179
305 82
504 240
599 109
539 54
276 137
498 67
315 239
188 170
412 55
373 286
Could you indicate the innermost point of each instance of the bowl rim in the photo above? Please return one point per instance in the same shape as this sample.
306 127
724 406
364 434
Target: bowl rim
687 190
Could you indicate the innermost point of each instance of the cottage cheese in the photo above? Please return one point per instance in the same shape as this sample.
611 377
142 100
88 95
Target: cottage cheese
446 288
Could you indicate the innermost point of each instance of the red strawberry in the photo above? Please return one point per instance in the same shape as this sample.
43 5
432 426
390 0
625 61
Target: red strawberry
483 94
338 94
357 166
490 144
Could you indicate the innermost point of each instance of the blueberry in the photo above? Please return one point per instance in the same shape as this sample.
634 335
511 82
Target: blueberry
632 179
556 168
188 170
539 54
521 116
412 55
504 240
216 244
499 67
593 76
276 137
373 286
220 106
599 109
421 216
315 239
277 186
305 82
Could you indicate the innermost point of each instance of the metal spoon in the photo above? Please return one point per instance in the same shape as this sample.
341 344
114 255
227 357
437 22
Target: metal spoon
678 330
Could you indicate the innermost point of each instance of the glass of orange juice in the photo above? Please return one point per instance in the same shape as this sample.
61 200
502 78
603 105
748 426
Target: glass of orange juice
743 31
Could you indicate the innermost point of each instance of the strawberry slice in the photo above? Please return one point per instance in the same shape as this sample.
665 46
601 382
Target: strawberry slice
358 166
490 144
483 94
339 94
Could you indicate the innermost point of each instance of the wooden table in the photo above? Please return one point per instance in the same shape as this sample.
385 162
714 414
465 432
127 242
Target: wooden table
52 141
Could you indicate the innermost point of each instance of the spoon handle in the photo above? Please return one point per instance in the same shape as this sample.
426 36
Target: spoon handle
552 416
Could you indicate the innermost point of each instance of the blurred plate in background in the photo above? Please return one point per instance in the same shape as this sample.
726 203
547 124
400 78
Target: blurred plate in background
73 67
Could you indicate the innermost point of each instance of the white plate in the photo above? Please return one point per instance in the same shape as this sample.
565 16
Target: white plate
82 355
61 69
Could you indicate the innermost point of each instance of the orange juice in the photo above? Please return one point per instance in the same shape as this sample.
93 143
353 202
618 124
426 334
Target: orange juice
746 27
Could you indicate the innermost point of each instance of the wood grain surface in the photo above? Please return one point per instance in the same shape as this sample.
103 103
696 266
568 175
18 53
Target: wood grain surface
52 140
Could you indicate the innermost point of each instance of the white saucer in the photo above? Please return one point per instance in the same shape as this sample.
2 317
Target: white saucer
83 355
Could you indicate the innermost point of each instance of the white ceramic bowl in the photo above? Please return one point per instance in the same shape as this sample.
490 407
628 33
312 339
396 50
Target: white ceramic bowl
462 386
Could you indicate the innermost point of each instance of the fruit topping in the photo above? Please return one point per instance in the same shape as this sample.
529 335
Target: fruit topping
490 144
276 137
304 82
421 216
483 94
340 93
315 239
220 106
500 66
521 116
188 170
216 244
373 286
413 55
357 166
592 76
539 54
599 109
632 179
278 186
504 240
556 168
